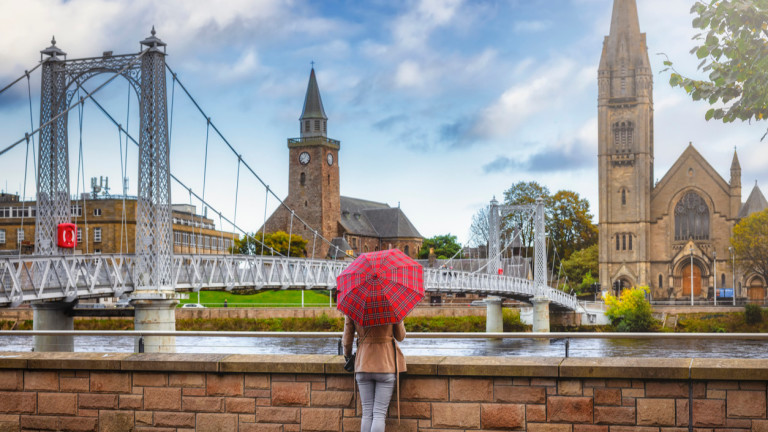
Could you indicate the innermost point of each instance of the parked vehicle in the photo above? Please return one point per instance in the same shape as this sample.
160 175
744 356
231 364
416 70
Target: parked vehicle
193 306
477 303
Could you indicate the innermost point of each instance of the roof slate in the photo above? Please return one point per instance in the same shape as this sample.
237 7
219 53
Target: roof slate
375 219
755 203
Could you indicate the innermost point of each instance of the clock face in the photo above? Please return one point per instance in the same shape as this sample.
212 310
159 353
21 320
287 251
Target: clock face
329 159
304 158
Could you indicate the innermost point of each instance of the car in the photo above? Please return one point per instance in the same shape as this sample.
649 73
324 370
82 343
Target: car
193 306
123 303
477 303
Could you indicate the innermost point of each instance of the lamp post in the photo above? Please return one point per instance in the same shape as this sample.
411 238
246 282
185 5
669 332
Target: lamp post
714 258
733 273
691 276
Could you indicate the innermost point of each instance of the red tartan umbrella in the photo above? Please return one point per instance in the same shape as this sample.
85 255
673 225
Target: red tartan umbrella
380 288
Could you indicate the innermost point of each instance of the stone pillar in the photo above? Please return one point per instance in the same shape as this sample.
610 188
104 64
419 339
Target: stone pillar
540 315
155 315
53 316
493 317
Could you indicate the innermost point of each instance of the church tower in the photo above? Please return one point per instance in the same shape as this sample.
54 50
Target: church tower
625 151
313 178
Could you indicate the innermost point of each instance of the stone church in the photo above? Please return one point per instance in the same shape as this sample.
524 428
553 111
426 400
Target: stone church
672 236
350 224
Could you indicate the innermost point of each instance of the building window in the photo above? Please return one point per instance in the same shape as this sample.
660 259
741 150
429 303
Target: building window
306 125
624 242
77 211
661 282
722 280
623 197
79 235
302 179
97 235
623 136
317 125
325 126
2 236
19 235
617 242
691 218
407 250
97 212
97 251
630 242
177 238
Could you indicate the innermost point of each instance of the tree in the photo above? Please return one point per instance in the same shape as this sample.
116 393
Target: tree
750 243
582 266
278 242
569 224
631 312
446 246
518 194
479 231
734 53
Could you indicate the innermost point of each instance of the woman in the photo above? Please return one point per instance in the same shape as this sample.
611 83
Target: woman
377 364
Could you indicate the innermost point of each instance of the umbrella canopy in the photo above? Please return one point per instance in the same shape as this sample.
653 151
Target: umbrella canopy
380 288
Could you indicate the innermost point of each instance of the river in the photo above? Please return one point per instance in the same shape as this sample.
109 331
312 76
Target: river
434 347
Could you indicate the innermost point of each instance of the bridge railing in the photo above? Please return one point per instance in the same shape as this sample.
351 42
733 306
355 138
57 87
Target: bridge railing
32 278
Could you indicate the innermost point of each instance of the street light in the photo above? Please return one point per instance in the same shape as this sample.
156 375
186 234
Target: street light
733 272
714 258
691 275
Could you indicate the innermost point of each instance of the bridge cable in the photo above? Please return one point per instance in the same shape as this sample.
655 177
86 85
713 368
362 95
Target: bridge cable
237 192
264 227
123 170
218 132
26 74
81 172
290 234
204 210
176 179
26 158
87 96
31 123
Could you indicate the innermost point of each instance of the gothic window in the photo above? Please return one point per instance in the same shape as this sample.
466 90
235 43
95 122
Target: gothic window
623 197
624 242
302 179
617 242
325 126
661 282
722 280
623 136
317 125
630 242
691 218
306 125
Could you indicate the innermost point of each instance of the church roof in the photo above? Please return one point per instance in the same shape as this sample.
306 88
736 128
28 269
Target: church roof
735 165
755 203
339 248
375 219
313 104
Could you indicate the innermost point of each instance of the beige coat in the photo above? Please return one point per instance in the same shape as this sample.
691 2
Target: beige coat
375 352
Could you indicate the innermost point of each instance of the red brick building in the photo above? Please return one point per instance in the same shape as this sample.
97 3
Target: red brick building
314 195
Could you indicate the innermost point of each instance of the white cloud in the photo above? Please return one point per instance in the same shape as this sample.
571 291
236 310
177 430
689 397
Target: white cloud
409 74
412 29
531 26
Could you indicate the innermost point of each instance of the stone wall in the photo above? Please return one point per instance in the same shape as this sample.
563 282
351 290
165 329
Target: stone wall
218 392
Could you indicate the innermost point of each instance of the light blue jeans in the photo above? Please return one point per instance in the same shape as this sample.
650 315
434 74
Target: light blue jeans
375 393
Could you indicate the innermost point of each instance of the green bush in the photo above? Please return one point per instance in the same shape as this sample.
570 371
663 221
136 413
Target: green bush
753 314
631 312
511 321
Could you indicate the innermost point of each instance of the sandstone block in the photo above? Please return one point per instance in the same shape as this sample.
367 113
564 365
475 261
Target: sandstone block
256 381
471 389
614 415
15 402
320 420
150 379
57 403
162 398
545 427
656 412
260 427
203 404
75 385
569 409
175 419
415 410
339 382
422 388
39 422
217 422
79 424
290 394
456 415
536 413
186 380
666 389
516 394
632 393
591 428
112 382
144 417
747 403
569 388
224 384
11 379
41 380
240 405
340 399
708 412
108 401
277 415
502 416
116 421
760 425
134 402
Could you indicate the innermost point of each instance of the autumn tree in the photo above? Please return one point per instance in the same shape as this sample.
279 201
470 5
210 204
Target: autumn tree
581 267
569 224
750 243
275 243
446 246
518 223
733 49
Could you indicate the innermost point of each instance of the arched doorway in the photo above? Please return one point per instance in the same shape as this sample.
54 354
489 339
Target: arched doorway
756 289
686 274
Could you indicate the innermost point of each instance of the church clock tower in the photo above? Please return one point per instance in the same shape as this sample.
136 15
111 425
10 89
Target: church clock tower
625 151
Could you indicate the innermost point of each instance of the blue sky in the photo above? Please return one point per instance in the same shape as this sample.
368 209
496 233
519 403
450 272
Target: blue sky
439 104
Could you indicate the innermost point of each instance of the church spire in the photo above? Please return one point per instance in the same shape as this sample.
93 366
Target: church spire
735 171
313 119
624 65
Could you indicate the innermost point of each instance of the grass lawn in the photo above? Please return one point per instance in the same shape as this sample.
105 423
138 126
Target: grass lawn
265 298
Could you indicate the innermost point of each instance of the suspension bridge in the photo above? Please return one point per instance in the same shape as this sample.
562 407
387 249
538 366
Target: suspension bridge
153 274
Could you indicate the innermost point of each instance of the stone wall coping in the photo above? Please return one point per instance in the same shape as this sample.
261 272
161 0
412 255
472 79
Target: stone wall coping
548 367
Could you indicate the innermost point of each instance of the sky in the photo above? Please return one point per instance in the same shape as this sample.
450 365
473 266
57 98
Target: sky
439 105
